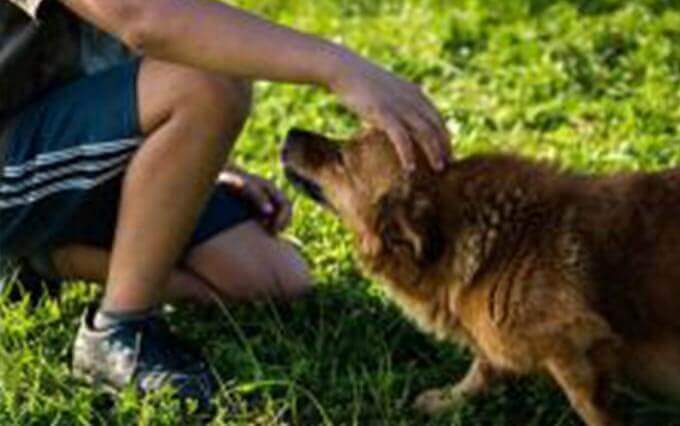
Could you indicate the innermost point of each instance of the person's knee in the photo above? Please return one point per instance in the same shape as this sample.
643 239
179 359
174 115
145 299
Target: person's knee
201 104
278 273
291 273
247 264
220 104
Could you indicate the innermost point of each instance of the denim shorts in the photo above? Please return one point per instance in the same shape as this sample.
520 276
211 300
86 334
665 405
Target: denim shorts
64 163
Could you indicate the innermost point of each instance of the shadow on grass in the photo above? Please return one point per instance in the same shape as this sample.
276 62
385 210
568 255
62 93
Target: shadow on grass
345 355
360 361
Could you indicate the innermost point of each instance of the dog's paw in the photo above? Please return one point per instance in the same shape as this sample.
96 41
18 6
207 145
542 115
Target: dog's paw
437 401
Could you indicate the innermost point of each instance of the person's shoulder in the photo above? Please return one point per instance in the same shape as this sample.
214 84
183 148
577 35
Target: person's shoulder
29 6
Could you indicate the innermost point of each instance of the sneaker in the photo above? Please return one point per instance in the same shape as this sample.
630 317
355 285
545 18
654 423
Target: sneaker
143 353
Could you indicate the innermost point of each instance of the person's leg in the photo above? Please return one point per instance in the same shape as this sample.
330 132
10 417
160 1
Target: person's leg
91 263
189 119
72 146
241 264
247 264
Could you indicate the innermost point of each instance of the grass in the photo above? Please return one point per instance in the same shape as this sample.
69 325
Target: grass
593 84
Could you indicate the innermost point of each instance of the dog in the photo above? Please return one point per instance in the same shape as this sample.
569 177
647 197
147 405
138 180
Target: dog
533 268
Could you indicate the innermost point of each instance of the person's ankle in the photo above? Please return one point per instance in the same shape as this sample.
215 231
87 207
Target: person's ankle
107 317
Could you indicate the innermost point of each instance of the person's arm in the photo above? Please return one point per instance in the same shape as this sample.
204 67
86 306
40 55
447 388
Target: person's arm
213 36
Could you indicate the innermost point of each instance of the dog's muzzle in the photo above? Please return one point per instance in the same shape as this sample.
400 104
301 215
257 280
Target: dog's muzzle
293 148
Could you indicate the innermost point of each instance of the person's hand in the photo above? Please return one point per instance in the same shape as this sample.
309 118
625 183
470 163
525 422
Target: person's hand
275 209
393 105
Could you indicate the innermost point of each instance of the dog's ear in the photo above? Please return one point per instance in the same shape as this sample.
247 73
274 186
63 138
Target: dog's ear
408 220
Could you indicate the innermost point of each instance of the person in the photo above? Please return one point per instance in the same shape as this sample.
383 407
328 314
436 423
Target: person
116 120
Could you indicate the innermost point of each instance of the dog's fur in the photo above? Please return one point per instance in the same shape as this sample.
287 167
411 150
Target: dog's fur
532 268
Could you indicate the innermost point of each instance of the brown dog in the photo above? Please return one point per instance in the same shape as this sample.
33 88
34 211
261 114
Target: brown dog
532 268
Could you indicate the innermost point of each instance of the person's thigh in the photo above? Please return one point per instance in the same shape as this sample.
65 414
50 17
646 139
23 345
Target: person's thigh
246 263
60 148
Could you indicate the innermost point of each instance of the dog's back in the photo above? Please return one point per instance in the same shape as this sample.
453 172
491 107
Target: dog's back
631 226
626 229
628 223
636 260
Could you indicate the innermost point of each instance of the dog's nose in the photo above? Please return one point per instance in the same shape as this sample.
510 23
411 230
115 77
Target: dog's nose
297 134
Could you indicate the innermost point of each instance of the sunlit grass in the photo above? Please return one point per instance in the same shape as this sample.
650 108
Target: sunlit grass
592 84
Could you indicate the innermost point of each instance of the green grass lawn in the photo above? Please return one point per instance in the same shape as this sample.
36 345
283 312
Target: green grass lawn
593 84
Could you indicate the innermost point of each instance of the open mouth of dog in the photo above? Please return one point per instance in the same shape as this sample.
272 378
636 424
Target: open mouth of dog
309 188
298 151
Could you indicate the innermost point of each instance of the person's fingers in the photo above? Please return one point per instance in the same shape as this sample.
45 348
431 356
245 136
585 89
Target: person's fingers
437 121
284 208
426 138
259 196
415 112
430 113
231 180
284 216
403 111
399 137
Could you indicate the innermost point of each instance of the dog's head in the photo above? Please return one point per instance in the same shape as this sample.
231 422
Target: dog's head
362 181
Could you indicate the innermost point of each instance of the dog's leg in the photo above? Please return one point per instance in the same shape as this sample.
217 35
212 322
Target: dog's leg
586 384
476 381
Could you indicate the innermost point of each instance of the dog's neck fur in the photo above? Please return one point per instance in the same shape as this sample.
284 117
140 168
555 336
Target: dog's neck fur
481 218
492 210
473 210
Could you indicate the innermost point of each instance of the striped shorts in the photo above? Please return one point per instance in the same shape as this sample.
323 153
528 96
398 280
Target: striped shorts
63 168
